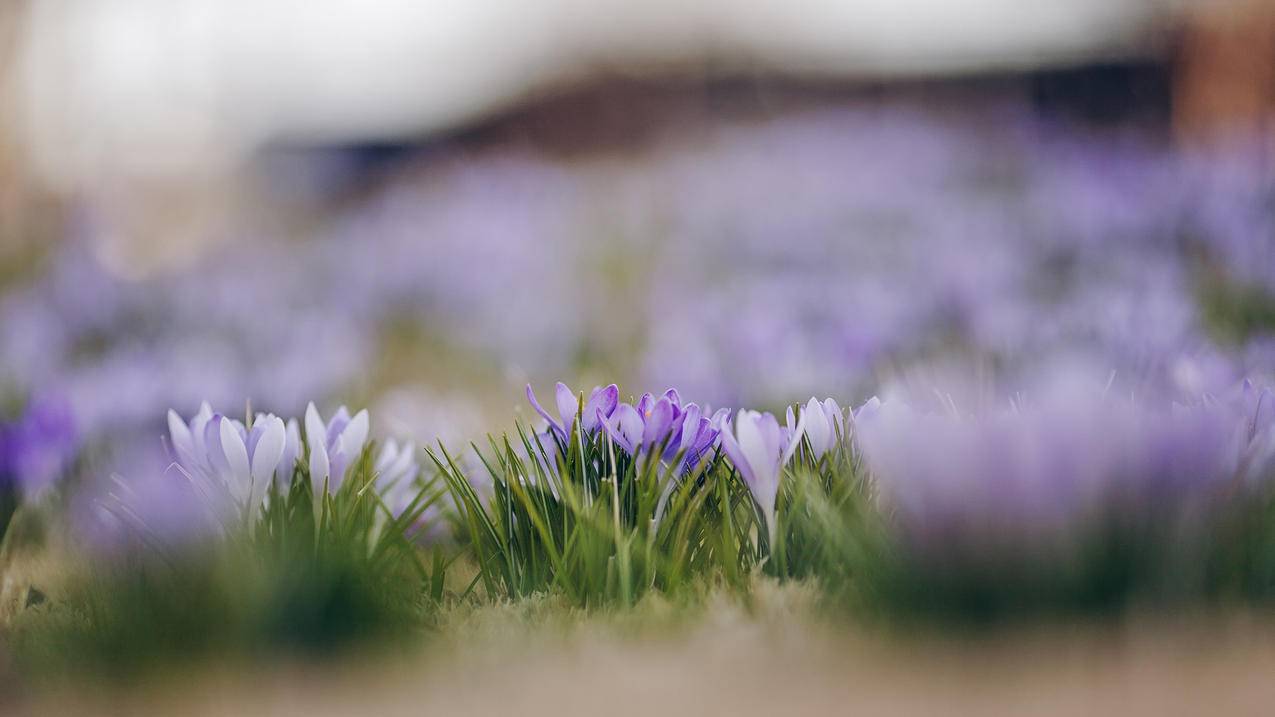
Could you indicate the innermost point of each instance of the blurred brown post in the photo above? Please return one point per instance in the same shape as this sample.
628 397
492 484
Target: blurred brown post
1225 85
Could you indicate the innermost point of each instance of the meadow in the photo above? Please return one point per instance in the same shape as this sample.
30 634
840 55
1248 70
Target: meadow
843 391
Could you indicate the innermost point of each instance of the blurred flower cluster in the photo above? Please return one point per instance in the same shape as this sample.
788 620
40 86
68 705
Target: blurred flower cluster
1027 476
818 252
38 446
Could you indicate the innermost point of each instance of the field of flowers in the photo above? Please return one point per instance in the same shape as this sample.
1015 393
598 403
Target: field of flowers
890 366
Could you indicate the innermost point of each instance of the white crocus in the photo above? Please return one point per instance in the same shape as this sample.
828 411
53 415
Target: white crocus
396 471
334 445
230 464
291 452
824 425
760 449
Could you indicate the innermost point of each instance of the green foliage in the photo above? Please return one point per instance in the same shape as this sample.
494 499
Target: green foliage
578 526
829 527
1218 552
309 576
585 519
588 521
8 506
1236 312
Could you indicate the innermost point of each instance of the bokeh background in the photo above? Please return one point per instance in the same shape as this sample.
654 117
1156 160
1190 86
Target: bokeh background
420 207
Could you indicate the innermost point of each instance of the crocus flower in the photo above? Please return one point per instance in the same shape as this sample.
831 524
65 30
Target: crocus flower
333 445
39 447
825 425
870 408
700 434
396 471
654 422
759 448
228 460
291 453
602 403
1018 480
1257 430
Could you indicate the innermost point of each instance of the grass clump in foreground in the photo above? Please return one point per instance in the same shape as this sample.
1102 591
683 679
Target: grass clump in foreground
305 578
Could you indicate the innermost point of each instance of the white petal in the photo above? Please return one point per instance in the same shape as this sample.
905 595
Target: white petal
793 442
269 449
817 428
315 430
291 451
753 445
179 434
355 435
205 410
236 453
387 456
199 433
318 466
835 416
405 466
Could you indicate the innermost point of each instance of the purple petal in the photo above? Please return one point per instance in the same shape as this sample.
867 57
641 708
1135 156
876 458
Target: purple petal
604 401
553 424
568 405
614 429
737 457
645 403
630 424
658 423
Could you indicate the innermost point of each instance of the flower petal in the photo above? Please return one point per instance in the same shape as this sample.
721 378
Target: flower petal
179 435
603 401
553 422
319 467
737 457
387 456
269 449
817 427
355 435
316 431
753 445
568 404
793 441
291 451
236 453
658 424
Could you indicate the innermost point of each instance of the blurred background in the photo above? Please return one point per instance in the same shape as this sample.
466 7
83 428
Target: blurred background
421 206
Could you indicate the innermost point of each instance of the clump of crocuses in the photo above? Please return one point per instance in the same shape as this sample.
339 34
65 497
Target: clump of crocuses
665 428
232 465
601 404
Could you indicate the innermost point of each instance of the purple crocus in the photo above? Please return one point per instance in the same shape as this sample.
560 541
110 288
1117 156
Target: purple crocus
759 448
601 404
38 448
1257 432
663 422
1020 479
